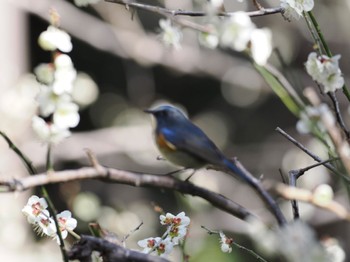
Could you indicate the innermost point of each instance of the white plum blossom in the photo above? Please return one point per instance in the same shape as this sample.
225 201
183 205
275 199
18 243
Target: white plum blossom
314 66
171 35
85 2
63 61
44 73
161 246
309 118
148 244
156 244
64 81
48 100
333 82
54 38
66 224
236 31
34 208
64 75
177 234
66 115
48 132
46 225
164 247
180 219
293 9
261 45
225 242
325 70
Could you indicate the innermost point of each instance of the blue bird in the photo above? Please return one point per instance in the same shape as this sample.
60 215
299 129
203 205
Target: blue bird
185 144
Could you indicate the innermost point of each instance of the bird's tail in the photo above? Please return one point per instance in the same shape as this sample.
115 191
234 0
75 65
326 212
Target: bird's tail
233 168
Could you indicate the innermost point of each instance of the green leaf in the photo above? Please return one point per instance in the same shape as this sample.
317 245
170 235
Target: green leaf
279 89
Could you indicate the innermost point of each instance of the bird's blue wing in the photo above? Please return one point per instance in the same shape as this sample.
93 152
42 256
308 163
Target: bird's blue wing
192 140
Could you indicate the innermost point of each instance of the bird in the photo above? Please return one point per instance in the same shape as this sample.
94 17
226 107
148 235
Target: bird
184 144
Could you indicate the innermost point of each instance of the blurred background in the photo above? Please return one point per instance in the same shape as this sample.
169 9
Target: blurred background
124 68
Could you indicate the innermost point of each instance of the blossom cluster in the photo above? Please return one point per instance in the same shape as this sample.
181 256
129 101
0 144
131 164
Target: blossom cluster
37 214
325 71
237 32
177 227
240 34
57 111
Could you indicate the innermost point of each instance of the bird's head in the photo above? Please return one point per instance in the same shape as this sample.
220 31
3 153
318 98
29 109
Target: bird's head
166 114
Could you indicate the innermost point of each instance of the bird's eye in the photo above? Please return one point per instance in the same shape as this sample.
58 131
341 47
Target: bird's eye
163 113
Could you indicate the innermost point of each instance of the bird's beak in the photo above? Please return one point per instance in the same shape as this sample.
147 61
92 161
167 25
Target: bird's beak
148 111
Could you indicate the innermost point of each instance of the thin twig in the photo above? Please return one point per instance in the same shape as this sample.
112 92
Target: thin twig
258 5
251 252
131 232
172 12
53 211
27 162
340 120
312 155
32 171
293 177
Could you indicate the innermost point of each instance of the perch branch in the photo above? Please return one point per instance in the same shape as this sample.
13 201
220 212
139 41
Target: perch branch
129 178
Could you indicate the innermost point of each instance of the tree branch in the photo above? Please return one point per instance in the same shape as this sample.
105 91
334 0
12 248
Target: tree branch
129 178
